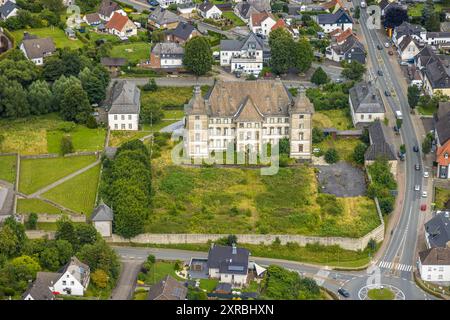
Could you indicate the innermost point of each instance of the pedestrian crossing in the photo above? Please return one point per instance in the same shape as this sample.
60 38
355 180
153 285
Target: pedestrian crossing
395 266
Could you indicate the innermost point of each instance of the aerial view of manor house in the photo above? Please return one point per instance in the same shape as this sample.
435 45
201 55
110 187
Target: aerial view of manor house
224 150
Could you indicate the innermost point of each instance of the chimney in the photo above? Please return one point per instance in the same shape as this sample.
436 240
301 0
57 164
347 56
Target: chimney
233 249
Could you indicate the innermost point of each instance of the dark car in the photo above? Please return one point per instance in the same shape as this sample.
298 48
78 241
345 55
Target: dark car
401 156
417 167
379 47
390 53
380 73
416 149
387 93
344 292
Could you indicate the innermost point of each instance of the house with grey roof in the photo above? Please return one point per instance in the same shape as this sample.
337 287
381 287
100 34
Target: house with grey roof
341 19
182 33
437 75
381 146
102 219
108 8
124 106
437 230
36 49
167 55
408 29
162 18
350 50
229 264
434 264
209 10
408 48
8 9
168 289
40 289
245 9
366 104
243 56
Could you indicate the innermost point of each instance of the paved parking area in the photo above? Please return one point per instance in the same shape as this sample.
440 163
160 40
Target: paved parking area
342 180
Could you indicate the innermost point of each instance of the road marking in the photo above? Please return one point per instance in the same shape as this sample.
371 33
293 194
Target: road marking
392 266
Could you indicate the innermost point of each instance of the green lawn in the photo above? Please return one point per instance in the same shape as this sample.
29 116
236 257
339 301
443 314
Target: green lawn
232 200
429 111
59 37
50 226
167 97
338 118
415 10
134 52
173 114
42 134
381 294
77 193
38 173
344 146
140 294
237 22
442 198
159 270
36 206
208 284
8 168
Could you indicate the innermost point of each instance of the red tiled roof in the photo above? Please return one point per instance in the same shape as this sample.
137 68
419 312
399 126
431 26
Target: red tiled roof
279 24
257 18
344 35
335 32
332 4
117 22
441 154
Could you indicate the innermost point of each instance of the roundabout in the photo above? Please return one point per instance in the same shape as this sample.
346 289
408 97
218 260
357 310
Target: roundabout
380 292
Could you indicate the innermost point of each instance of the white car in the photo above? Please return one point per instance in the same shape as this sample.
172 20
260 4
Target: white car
426 174
424 194
417 187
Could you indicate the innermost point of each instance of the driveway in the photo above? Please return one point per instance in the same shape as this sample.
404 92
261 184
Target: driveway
127 280
342 180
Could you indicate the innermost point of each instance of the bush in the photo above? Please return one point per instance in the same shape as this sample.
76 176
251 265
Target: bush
66 145
32 221
331 156
317 135
91 123
150 86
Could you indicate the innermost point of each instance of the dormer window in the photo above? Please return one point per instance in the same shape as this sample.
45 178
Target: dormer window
446 156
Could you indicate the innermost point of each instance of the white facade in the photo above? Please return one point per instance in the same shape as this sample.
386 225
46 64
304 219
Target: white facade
123 121
68 281
212 13
37 61
435 273
104 228
328 27
264 27
166 3
171 62
249 62
233 279
409 52
127 31
436 38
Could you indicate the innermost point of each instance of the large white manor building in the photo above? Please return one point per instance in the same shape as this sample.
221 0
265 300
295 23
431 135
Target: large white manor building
247 114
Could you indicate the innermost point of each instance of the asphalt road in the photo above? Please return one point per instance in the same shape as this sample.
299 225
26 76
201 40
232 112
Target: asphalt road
127 280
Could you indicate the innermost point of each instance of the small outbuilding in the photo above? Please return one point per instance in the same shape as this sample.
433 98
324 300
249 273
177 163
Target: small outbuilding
102 219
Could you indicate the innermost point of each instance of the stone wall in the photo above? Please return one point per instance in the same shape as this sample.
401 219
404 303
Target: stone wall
46 217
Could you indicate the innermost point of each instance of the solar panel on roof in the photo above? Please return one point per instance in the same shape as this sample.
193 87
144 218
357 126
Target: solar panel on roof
236 268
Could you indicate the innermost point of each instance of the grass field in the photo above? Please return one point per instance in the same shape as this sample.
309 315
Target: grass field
173 114
8 168
134 52
426 111
442 198
231 200
59 37
42 134
77 193
159 270
168 97
50 226
36 206
339 119
38 173
237 22
415 10
381 294
344 146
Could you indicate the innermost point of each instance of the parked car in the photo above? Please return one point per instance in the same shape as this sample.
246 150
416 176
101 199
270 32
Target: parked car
386 44
426 174
417 187
423 207
380 73
344 292
401 156
424 194
379 47
416 149
417 167
390 53
387 93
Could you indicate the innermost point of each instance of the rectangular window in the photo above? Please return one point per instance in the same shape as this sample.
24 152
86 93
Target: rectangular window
64 282
300 136
241 125
122 117
72 283
300 148
197 137
241 136
129 117
197 117
249 125
197 126
300 126
279 120
301 116
286 130
115 117
116 126
130 126
122 126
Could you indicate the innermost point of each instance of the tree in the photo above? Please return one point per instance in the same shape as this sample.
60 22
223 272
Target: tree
284 146
14 101
94 86
151 113
357 12
353 70
150 85
157 36
49 258
40 97
317 135
86 234
399 123
32 221
413 96
427 143
403 148
231 239
18 68
75 105
282 48
303 55
430 17
67 145
198 56
100 278
358 153
319 77
59 87
25 267
331 156
65 230
395 16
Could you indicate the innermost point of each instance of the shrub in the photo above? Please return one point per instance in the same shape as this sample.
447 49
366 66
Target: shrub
331 156
66 145
91 123
150 86
32 221
317 135
100 278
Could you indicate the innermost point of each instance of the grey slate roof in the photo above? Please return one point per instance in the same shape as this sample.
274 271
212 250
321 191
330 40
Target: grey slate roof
113 62
168 49
246 9
167 289
405 42
380 145
38 48
102 213
182 31
332 18
351 43
442 122
40 288
107 7
366 98
435 257
438 229
7 8
225 287
237 45
438 73
125 98
407 28
163 16
205 6
228 259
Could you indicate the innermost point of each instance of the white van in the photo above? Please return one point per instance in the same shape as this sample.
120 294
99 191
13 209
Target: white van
398 115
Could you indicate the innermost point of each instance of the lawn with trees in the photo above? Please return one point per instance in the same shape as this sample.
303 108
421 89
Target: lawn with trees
381 184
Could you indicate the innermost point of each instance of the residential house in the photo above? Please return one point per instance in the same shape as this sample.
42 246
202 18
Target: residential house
102 219
108 8
408 48
262 23
41 288
244 10
331 21
332 6
408 29
244 56
437 75
181 34
434 264
209 10
381 146
247 114
167 3
124 106
437 230
437 38
442 137
121 26
8 9
186 9
229 264
168 289
70 33
366 104
167 55
113 65
348 50
162 18
385 5
92 19
36 49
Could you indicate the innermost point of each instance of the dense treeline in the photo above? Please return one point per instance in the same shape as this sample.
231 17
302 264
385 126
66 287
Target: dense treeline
330 96
126 187
383 182
69 83
21 258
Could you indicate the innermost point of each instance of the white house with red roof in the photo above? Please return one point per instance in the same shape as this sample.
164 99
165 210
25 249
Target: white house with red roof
262 23
121 26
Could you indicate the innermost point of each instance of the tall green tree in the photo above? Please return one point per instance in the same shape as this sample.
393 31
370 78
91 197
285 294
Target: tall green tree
75 105
282 48
413 96
14 101
319 77
353 70
40 97
198 56
93 86
303 55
